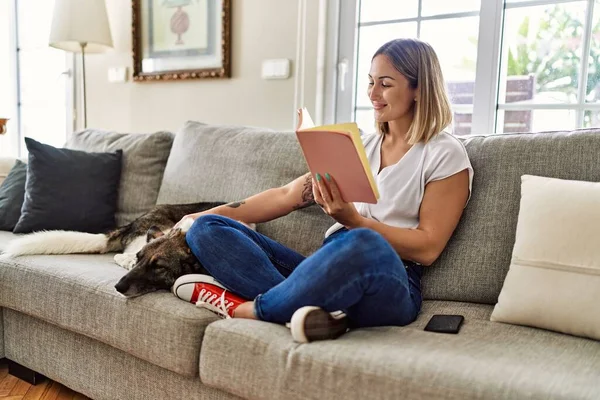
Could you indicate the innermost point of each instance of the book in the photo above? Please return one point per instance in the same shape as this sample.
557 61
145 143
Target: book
338 150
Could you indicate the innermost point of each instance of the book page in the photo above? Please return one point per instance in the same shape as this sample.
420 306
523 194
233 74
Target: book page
304 120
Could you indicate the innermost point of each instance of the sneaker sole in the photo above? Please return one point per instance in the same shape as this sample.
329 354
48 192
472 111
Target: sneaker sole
318 322
183 288
298 321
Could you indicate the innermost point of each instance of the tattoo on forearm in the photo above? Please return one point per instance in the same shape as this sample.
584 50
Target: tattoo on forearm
307 194
236 204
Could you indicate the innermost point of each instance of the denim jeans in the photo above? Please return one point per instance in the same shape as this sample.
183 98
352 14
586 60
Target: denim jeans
356 271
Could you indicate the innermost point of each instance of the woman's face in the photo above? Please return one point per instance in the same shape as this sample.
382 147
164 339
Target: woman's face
389 91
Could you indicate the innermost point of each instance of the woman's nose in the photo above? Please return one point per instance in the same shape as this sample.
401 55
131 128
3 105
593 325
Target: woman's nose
373 93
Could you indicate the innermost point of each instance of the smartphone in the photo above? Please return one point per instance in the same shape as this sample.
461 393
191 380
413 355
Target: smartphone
445 323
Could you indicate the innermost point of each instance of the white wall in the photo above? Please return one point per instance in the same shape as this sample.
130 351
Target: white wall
261 29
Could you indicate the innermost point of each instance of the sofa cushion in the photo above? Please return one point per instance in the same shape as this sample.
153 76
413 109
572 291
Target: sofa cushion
485 360
475 262
230 163
12 194
76 292
144 160
6 163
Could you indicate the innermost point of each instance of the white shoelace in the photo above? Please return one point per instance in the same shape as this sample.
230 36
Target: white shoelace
215 303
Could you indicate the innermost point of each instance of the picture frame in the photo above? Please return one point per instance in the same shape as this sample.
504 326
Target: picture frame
181 39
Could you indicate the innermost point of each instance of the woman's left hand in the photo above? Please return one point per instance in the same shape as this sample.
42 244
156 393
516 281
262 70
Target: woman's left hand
327 195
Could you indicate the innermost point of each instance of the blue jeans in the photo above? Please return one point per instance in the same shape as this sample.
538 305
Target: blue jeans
356 271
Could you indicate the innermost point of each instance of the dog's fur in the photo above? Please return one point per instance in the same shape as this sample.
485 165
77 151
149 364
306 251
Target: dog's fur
155 254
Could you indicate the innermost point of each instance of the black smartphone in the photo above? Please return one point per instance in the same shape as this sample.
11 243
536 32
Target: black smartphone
444 323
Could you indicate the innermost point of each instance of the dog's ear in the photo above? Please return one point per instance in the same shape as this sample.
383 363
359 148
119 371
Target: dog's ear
153 233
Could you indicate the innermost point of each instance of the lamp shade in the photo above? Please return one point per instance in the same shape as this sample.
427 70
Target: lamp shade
80 21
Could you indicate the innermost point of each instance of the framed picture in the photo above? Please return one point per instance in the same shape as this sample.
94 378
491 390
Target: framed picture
181 39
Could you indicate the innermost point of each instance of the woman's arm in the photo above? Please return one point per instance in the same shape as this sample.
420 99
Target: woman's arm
267 205
441 208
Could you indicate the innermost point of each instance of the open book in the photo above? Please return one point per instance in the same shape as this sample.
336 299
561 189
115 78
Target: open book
338 150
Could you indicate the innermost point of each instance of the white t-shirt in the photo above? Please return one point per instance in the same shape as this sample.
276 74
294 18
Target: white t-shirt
402 185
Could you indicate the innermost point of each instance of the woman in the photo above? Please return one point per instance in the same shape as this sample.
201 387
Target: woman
369 266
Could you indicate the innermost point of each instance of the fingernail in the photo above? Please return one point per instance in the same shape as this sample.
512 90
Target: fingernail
318 178
327 176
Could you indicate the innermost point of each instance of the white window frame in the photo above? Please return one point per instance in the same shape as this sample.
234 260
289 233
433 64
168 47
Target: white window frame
341 88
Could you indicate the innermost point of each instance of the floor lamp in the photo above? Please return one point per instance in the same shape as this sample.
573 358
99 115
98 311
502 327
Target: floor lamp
81 26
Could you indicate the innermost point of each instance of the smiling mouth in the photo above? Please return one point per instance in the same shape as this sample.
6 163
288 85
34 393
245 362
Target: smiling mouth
378 106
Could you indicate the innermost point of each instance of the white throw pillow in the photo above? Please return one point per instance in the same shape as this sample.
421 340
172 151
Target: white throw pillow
554 277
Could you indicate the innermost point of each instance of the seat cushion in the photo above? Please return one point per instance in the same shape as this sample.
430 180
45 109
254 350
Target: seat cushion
485 360
76 292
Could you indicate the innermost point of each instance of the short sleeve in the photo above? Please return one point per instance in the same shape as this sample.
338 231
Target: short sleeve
448 156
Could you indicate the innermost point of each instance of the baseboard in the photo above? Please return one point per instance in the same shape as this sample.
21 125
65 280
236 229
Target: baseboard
24 373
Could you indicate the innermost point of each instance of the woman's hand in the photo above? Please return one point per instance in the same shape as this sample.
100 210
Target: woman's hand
328 196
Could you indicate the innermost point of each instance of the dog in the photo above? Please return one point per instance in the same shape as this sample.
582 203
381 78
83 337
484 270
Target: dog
154 253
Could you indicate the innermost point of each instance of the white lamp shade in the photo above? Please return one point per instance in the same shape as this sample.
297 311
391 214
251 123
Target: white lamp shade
80 21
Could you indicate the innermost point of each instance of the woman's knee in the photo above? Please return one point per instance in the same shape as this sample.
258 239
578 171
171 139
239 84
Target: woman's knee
204 225
369 250
367 240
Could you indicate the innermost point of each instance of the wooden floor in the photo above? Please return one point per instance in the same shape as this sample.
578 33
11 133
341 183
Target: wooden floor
12 388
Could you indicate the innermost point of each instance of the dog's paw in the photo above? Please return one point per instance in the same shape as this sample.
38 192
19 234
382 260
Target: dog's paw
251 226
186 224
126 260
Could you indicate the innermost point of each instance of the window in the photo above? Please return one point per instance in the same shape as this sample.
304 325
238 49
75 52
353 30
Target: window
509 65
39 91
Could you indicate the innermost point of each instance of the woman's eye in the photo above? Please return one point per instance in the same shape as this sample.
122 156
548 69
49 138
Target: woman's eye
384 85
370 83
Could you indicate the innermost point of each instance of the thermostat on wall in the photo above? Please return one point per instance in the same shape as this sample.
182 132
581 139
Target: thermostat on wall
276 69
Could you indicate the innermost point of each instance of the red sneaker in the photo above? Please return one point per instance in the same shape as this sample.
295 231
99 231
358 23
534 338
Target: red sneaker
204 291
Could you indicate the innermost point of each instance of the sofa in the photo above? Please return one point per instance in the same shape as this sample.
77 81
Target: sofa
61 316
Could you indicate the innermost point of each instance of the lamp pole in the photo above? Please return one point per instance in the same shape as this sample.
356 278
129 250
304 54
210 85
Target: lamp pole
83 44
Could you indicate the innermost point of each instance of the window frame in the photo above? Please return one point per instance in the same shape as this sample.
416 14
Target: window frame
488 76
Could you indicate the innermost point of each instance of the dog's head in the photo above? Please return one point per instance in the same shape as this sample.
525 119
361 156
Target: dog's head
163 259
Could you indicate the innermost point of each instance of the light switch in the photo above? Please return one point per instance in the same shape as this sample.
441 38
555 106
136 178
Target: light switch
117 74
276 69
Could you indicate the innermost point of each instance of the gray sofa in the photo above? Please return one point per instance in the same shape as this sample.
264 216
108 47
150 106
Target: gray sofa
62 317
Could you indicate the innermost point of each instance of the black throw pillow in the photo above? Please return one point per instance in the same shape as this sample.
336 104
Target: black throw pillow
12 192
69 189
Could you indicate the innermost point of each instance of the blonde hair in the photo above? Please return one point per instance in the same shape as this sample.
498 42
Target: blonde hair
418 63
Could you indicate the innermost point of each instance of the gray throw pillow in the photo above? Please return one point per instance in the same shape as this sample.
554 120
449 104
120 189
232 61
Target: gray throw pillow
69 190
144 160
12 193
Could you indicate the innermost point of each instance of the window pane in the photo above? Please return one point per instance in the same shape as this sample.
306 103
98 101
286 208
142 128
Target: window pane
437 7
35 19
45 84
371 38
385 10
461 122
593 83
365 120
536 120
542 51
591 119
6 98
458 67
45 123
